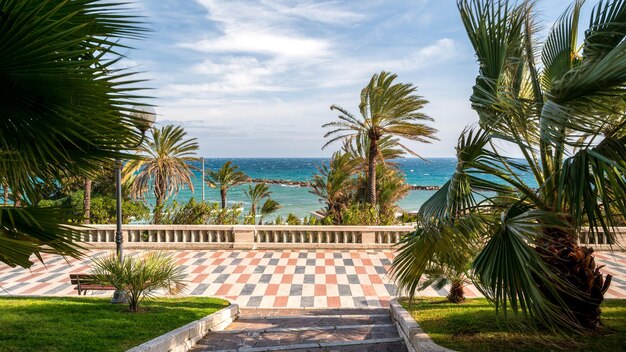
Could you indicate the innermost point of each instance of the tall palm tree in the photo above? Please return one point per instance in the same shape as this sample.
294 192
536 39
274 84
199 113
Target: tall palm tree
386 109
568 122
226 177
256 194
164 167
269 207
334 184
62 110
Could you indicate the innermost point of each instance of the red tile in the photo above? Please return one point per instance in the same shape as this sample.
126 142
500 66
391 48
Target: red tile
375 279
181 261
384 302
287 279
319 255
360 270
329 262
292 261
333 302
200 278
255 262
279 269
272 289
200 269
281 301
223 290
320 290
251 254
217 261
366 262
243 279
36 288
239 269
285 254
320 270
368 290
216 255
331 279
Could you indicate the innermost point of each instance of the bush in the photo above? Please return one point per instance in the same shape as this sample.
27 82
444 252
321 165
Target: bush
293 219
140 276
279 220
200 213
193 213
103 208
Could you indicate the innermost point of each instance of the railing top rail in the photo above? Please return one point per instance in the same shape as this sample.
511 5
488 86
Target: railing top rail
255 227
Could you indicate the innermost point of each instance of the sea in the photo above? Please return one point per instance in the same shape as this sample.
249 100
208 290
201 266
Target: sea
299 200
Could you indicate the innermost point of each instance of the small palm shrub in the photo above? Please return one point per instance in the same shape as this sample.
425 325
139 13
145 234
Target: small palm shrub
139 277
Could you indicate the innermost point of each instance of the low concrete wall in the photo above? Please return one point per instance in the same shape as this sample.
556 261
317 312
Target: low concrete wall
415 338
185 337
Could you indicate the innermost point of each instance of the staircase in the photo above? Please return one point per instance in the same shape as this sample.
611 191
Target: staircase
346 330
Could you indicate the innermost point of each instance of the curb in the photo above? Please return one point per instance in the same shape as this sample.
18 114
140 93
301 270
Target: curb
415 338
185 337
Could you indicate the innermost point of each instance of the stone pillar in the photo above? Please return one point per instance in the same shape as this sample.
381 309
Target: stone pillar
368 237
244 237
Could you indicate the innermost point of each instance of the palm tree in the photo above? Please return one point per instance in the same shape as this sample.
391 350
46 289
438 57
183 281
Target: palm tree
387 109
334 185
226 177
63 111
164 167
270 206
256 194
568 122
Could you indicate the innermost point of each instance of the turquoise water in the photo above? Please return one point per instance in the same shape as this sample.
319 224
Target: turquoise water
298 200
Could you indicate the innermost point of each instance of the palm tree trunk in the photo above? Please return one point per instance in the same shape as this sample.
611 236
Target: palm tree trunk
5 189
456 294
373 156
223 196
87 200
575 265
158 211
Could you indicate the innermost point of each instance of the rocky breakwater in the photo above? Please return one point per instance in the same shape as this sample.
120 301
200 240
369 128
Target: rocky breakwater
308 184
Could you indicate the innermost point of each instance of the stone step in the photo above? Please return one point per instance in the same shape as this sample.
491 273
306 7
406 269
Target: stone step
266 313
253 323
307 330
375 345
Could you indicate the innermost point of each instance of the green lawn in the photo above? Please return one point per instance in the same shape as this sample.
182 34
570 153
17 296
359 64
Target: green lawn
472 326
92 324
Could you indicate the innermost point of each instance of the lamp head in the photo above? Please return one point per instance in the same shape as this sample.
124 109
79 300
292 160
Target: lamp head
145 116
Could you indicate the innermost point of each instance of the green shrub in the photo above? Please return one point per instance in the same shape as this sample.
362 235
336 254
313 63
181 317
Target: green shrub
139 277
293 219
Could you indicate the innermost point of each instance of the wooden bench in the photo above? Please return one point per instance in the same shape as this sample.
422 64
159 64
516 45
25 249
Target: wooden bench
85 282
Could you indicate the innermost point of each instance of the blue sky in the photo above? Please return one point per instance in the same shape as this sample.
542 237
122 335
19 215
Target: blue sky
257 78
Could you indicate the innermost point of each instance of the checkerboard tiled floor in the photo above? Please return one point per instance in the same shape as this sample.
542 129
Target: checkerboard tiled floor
270 279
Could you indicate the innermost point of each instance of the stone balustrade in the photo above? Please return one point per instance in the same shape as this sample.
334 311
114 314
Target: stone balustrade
272 237
245 236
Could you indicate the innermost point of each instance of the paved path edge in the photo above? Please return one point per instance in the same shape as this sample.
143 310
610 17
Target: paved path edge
415 338
185 337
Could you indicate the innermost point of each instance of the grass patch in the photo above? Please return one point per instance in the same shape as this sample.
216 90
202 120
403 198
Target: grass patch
472 326
93 324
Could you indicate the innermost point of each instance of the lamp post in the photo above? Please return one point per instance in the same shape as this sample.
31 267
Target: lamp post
144 118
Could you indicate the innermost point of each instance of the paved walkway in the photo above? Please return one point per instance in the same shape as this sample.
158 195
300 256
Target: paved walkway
270 279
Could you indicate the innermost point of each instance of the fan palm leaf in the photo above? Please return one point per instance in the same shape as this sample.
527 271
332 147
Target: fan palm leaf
64 106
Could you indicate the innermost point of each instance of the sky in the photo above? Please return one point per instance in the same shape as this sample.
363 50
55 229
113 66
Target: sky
256 78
